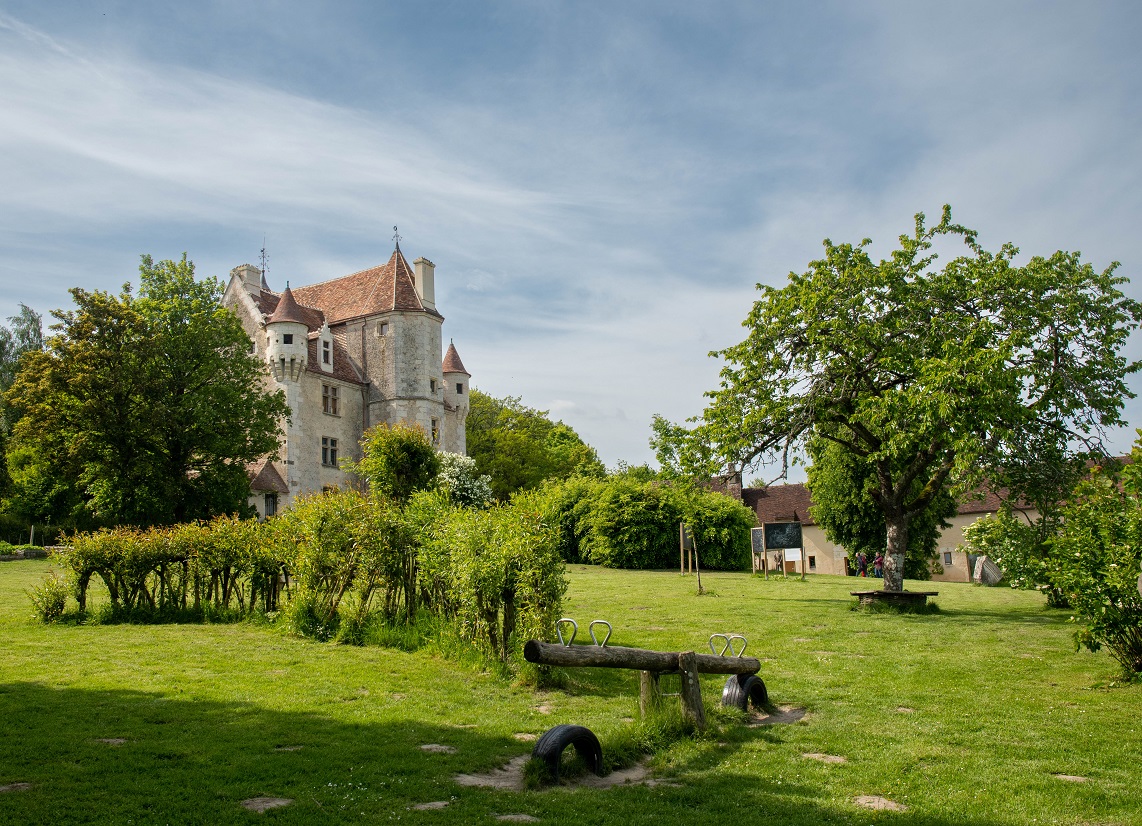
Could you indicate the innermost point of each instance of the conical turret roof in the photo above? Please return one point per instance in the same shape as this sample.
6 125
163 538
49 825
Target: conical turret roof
287 310
452 363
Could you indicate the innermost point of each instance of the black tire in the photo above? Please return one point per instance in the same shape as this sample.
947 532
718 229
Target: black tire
549 748
743 689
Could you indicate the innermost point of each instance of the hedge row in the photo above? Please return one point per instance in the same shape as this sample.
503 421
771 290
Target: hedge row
626 522
333 562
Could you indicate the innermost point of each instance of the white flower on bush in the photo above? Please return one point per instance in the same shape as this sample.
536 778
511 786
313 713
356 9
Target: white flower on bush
464 485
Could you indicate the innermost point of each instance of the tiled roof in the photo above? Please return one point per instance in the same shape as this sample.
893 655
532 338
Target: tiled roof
452 363
287 310
343 367
265 477
785 503
376 290
779 503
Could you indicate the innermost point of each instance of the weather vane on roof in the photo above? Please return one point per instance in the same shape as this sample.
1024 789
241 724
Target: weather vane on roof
265 258
396 236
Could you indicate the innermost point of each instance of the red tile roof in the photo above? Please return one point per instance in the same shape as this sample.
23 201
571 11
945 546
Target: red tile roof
343 367
264 477
377 290
452 363
287 310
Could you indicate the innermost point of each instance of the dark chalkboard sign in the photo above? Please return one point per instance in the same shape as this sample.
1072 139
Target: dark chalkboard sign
757 540
782 535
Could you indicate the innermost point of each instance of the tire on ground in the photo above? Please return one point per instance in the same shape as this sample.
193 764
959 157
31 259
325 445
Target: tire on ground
549 747
743 689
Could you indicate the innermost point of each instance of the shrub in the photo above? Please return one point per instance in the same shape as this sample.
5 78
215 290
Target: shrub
627 521
49 598
1095 561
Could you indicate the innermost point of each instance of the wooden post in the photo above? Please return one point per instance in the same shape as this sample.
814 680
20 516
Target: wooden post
764 554
804 560
649 693
682 549
692 708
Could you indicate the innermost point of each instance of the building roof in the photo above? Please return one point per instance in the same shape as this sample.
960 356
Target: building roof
791 503
452 363
343 366
382 289
287 310
264 477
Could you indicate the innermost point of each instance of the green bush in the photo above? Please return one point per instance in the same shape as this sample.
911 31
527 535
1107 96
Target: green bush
1095 562
49 598
626 521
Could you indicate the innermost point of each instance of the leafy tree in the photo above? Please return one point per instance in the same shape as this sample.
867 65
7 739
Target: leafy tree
843 506
931 375
1095 558
145 410
397 460
463 483
25 335
519 447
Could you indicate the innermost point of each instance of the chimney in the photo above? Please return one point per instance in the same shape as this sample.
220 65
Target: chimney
250 276
425 282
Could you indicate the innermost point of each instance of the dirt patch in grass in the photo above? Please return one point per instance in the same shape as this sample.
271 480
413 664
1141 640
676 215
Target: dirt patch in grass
436 748
427 807
878 803
824 758
525 737
511 777
111 741
1072 778
263 804
905 710
16 787
780 715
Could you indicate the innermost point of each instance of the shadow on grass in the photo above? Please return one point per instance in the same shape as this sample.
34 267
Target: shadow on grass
189 762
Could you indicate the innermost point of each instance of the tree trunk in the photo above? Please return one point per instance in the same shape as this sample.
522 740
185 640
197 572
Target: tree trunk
894 554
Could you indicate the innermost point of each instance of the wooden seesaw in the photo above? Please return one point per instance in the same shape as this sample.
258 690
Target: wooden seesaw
742 687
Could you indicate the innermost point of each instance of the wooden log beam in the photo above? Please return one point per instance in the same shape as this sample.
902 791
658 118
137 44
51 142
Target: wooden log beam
660 662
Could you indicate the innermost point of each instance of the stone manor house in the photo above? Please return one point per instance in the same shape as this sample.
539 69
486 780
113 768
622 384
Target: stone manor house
349 353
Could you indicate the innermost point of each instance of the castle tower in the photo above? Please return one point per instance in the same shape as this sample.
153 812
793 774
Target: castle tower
287 351
456 388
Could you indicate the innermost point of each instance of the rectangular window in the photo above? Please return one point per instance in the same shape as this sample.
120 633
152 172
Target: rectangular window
383 328
328 451
947 558
271 504
331 399
432 386
459 388
812 563
435 432
327 352
287 338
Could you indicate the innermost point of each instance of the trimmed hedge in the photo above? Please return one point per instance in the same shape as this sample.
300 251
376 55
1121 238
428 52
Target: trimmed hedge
624 522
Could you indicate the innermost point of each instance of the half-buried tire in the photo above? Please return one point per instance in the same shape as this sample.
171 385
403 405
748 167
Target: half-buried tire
743 689
549 748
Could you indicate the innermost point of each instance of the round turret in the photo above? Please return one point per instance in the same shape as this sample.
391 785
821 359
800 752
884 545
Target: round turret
287 339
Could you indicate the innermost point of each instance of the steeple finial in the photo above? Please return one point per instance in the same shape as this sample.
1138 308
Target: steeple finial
396 236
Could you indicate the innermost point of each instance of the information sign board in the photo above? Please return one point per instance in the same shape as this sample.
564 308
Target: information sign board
782 535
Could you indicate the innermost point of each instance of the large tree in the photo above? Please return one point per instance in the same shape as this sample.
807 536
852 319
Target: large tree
24 335
145 410
930 374
843 483
519 447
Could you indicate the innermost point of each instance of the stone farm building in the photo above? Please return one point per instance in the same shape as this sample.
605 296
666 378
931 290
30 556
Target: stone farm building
791 503
349 353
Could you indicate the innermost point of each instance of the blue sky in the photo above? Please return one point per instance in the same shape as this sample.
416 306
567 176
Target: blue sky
600 185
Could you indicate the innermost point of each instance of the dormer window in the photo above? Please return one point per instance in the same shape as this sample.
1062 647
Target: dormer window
327 352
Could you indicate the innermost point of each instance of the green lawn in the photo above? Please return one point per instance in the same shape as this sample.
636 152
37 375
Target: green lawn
964 716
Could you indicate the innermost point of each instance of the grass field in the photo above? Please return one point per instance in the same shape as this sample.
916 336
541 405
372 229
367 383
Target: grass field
966 716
